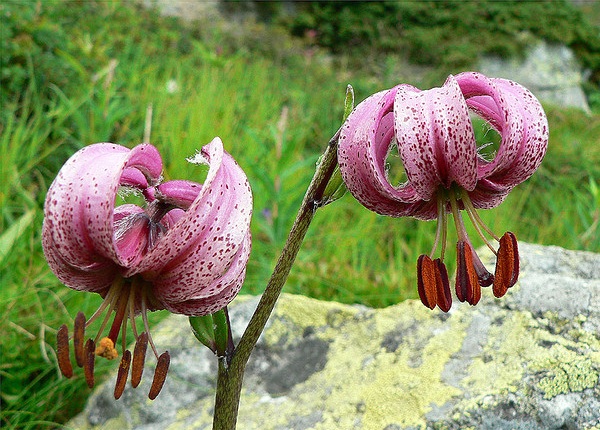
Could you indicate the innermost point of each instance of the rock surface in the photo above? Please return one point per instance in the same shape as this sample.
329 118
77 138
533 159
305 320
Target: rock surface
530 360
551 72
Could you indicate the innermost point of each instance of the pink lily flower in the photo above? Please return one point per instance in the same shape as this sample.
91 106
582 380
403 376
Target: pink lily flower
185 251
445 171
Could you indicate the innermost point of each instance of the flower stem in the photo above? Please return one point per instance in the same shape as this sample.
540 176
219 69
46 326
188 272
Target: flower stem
229 379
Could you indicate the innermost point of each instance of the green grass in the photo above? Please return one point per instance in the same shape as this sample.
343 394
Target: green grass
275 117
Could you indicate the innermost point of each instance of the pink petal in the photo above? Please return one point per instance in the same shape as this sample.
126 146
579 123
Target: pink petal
131 227
78 223
179 193
519 118
435 138
202 245
363 146
221 291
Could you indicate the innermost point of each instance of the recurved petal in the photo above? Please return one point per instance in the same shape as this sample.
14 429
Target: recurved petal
520 120
220 293
363 146
178 192
78 212
146 159
203 243
435 138
131 232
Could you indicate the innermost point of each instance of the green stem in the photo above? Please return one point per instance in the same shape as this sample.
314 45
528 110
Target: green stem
229 380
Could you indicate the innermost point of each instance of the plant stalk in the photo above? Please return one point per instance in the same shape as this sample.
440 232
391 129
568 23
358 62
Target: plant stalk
230 376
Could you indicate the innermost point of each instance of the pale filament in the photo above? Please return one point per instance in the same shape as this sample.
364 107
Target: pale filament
146 325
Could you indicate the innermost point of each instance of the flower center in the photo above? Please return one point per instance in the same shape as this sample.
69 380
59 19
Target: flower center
125 298
471 274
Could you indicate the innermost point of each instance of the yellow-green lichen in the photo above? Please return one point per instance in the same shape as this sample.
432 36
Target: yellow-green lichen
383 388
567 372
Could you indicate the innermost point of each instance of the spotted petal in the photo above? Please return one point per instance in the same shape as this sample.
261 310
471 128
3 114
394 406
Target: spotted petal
435 138
77 234
204 247
519 119
364 144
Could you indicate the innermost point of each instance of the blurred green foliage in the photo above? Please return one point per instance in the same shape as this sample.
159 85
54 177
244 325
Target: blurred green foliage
447 35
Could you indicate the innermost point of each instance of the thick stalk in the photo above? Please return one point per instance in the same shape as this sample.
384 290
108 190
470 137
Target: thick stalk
229 380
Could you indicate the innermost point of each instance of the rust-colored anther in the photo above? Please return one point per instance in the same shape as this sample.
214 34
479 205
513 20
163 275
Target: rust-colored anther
160 375
122 374
426 281
507 264
62 351
78 336
139 357
88 364
467 280
444 296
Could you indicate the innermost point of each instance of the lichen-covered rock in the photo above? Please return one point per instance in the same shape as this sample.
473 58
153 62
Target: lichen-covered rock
530 360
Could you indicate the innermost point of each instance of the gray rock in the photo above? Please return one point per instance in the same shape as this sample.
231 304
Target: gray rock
530 360
551 72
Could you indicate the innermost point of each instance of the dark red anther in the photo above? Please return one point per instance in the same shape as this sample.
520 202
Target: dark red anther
62 351
444 296
160 375
426 281
78 336
507 264
467 281
122 374
433 284
88 362
139 357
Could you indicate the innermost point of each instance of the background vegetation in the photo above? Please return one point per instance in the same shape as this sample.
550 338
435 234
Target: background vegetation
75 73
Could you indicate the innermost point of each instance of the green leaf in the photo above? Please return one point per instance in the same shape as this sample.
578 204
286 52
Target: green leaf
204 329
221 332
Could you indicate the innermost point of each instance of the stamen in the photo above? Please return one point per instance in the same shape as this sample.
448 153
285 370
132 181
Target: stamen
132 309
444 297
160 375
78 337
461 231
116 290
441 229
119 316
88 365
122 374
467 282
507 265
433 284
124 329
108 300
485 277
62 351
426 281
139 357
473 213
145 320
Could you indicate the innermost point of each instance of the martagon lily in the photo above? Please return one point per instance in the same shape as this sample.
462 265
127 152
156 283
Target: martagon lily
185 250
445 171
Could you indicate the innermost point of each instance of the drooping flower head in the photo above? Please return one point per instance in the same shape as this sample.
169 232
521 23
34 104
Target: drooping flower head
185 250
445 171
